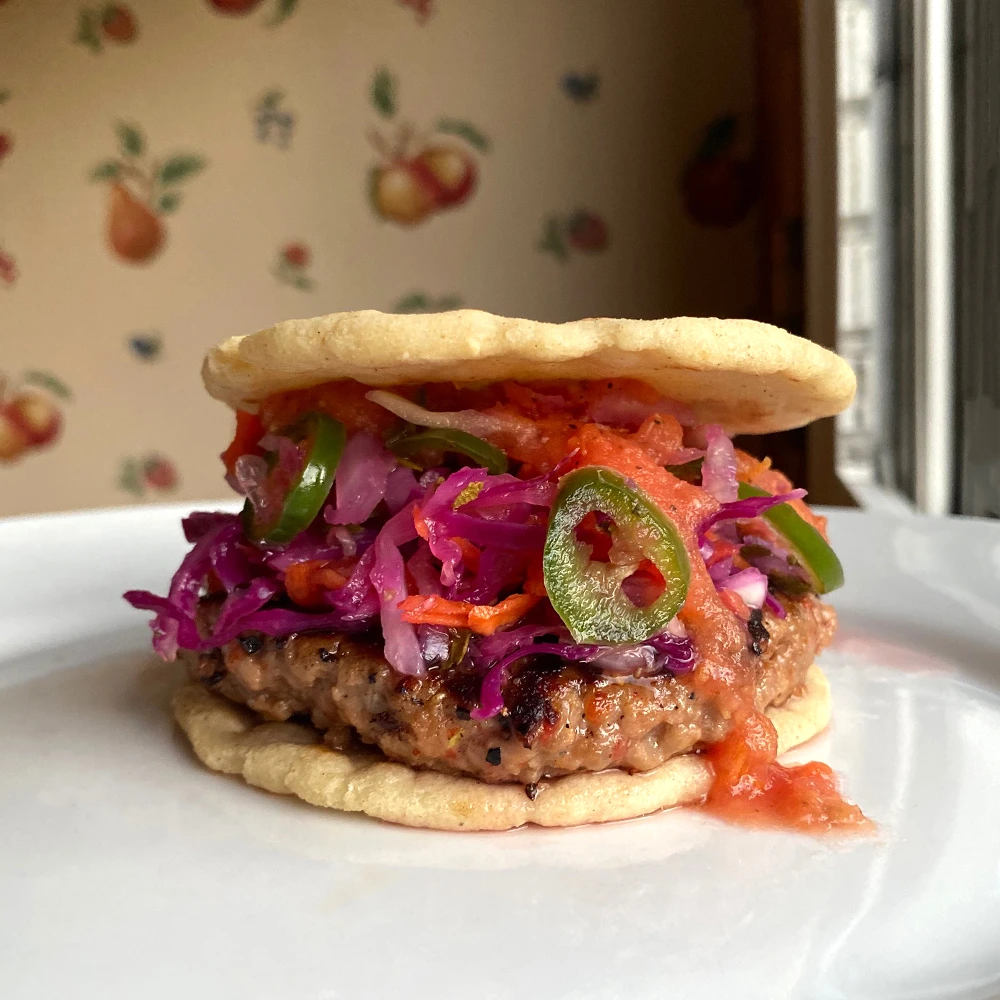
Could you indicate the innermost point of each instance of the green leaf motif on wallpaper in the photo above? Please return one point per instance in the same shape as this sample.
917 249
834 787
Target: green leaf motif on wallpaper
282 12
464 130
131 140
109 170
5 96
169 202
384 93
420 302
49 382
86 30
128 477
179 168
270 100
552 240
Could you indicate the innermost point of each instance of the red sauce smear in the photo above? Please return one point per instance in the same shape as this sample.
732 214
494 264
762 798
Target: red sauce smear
753 789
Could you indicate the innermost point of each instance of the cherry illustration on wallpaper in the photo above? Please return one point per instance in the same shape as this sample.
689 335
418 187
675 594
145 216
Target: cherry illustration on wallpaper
30 413
718 185
292 267
6 139
8 269
142 474
582 231
112 22
142 191
420 174
281 10
422 8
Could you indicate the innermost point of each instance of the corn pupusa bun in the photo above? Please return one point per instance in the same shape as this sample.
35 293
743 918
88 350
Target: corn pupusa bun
749 377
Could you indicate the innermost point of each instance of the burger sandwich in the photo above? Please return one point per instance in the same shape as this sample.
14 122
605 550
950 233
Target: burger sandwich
491 572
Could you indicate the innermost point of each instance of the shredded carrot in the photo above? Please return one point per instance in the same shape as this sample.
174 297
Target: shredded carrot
420 524
470 554
306 581
432 610
749 468
483 619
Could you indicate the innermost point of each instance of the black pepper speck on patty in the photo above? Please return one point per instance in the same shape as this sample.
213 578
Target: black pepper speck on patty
559 717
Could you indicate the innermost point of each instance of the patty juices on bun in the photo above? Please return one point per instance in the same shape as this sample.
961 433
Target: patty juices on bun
491 572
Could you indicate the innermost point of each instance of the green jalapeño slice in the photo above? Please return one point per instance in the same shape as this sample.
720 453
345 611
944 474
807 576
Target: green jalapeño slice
323 440
804 542
451 439
587 594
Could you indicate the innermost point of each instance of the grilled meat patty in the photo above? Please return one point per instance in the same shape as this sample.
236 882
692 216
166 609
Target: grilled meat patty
560 717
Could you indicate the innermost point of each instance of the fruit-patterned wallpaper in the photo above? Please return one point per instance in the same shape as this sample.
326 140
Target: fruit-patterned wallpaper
175 173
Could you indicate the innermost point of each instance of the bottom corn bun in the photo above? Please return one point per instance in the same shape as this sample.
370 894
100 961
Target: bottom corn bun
290 759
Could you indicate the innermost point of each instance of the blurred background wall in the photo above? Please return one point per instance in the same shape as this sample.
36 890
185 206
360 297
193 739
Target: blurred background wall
172 174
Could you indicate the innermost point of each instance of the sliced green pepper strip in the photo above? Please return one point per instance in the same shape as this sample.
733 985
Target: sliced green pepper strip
587 595
807 545
323 439
481 452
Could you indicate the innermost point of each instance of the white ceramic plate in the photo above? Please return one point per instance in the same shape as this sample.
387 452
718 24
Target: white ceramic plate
129 871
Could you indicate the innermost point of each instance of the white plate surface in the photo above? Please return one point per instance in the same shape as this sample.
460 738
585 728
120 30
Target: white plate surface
129 871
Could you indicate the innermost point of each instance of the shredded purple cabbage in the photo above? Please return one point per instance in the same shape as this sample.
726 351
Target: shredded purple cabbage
388 576
361 480
739 510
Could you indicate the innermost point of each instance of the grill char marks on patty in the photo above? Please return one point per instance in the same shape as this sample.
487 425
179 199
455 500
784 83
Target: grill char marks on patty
560 717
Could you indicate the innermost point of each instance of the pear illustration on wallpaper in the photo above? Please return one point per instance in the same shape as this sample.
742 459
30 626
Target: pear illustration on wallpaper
30 415
718 185
419 173
114 22
141 192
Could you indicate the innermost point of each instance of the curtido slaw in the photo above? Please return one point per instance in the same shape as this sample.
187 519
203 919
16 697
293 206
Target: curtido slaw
474 536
